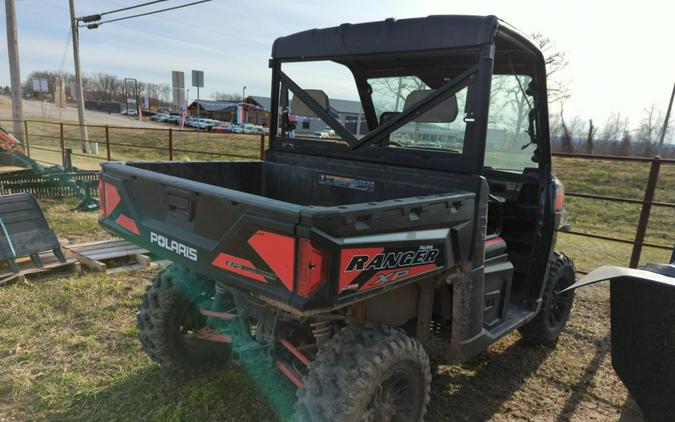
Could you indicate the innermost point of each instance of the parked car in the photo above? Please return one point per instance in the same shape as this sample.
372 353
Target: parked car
223 127
236 128
253 129
173 118
160 117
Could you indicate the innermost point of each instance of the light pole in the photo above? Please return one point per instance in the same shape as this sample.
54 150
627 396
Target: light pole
79 91
243 94
15 74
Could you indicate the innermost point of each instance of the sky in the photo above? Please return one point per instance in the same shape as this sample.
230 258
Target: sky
620 52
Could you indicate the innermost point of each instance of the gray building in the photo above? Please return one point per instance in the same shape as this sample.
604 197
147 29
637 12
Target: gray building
347 112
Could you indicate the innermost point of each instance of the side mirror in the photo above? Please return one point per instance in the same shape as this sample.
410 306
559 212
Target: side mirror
299 108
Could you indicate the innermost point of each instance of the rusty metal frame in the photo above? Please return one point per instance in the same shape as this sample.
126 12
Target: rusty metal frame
170 148
647 203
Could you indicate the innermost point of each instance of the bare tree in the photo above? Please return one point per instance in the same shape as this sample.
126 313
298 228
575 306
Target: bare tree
566 143
625 146
648 132
589 138
226 96
614 128
570 131
392 92
556 61
165 93
108 85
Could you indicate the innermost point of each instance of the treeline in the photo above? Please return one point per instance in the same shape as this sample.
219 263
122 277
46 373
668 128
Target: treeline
617 136
99 86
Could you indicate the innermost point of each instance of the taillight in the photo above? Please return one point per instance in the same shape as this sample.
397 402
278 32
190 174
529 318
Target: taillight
101 196
559 195
311 268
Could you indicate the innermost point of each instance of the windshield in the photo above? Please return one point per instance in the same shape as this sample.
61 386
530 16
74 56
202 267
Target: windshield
508 144
422 111
444 130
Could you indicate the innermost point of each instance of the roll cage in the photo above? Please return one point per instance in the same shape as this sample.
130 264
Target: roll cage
383 49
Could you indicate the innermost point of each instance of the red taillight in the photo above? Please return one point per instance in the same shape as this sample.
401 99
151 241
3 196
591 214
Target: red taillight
311 268
101 196
559 195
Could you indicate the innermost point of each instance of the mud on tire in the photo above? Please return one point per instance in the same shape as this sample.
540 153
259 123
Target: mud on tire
555 310
169 316
362 373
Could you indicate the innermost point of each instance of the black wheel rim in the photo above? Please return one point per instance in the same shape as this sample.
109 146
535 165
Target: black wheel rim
394 399
189 321
560 303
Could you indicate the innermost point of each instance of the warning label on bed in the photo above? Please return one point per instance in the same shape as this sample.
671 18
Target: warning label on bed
347 182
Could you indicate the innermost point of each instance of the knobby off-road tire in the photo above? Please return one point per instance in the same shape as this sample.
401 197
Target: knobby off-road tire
555 310
169 317
362 374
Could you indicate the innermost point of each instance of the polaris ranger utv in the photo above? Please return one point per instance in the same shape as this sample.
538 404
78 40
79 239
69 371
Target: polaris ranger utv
336 260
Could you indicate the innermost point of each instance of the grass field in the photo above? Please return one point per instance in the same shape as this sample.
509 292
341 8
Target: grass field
68 348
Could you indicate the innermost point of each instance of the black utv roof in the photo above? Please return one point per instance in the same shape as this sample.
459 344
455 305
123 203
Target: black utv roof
389 36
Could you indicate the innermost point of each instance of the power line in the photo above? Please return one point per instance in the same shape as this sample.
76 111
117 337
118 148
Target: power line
194 28
131 7
97 24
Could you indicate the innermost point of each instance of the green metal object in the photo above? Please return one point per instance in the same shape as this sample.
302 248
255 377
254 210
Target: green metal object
47 181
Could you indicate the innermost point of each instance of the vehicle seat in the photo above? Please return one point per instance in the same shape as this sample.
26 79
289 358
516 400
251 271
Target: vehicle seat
495 246
384 118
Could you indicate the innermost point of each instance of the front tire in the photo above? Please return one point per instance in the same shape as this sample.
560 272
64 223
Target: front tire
169 318
555 310
367 372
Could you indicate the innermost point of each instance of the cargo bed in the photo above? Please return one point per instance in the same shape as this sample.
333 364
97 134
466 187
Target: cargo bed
313 234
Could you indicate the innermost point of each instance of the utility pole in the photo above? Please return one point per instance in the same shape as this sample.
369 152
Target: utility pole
79 92
14 71
665 122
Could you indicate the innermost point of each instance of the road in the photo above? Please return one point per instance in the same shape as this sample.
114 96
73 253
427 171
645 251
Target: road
37 110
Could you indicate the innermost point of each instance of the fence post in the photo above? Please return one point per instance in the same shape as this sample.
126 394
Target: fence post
107 143
644 213
170 144
262 146
25 137
62 144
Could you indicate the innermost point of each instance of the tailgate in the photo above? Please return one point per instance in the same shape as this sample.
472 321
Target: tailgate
218 232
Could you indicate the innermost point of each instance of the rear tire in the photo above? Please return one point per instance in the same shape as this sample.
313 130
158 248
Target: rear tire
367 372
169 318
555 310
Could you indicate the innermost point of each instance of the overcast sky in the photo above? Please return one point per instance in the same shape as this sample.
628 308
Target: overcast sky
621 54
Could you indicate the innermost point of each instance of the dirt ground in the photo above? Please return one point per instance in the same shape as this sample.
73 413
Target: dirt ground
86 363
573 381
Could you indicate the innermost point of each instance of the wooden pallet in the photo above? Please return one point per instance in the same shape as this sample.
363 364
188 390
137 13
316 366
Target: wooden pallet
110 256
51 267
